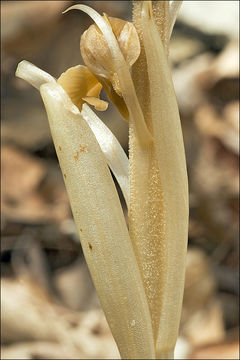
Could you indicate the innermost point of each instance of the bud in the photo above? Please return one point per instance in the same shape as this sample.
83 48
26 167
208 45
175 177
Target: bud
96 54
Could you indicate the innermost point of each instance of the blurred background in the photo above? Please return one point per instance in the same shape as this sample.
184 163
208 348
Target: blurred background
49 306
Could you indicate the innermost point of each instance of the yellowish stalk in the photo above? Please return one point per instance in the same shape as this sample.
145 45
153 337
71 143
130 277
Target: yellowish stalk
167 185
172 166
147 208
165 14
101 225
161 14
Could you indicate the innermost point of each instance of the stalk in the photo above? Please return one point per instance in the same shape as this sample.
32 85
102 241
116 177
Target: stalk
169 160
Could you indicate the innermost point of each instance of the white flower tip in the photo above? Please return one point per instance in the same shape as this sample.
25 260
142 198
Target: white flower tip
18 70
33 75
73 7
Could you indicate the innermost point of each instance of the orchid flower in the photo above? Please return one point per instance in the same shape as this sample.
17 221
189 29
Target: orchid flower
138 272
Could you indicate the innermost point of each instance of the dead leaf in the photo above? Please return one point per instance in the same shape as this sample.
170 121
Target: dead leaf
219 351
30 193
21 174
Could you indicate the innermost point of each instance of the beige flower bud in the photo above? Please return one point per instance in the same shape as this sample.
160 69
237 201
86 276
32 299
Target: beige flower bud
96 53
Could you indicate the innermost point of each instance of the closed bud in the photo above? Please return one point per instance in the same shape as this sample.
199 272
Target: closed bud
96 53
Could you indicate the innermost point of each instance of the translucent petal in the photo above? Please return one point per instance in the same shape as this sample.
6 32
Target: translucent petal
116 158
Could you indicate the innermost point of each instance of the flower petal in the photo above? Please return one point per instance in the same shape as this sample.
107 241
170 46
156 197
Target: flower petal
96 53
101 225
171 161
116 158
115 98
124 76
33 75
99 104
79 82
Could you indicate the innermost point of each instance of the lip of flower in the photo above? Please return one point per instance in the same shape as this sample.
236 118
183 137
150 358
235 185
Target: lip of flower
79 83
82 86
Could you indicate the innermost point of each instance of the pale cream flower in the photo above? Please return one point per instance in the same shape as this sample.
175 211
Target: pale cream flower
138 273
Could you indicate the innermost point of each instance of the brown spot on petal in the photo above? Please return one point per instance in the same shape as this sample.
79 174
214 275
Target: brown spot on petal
90 246
60 148
83 148
76 156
